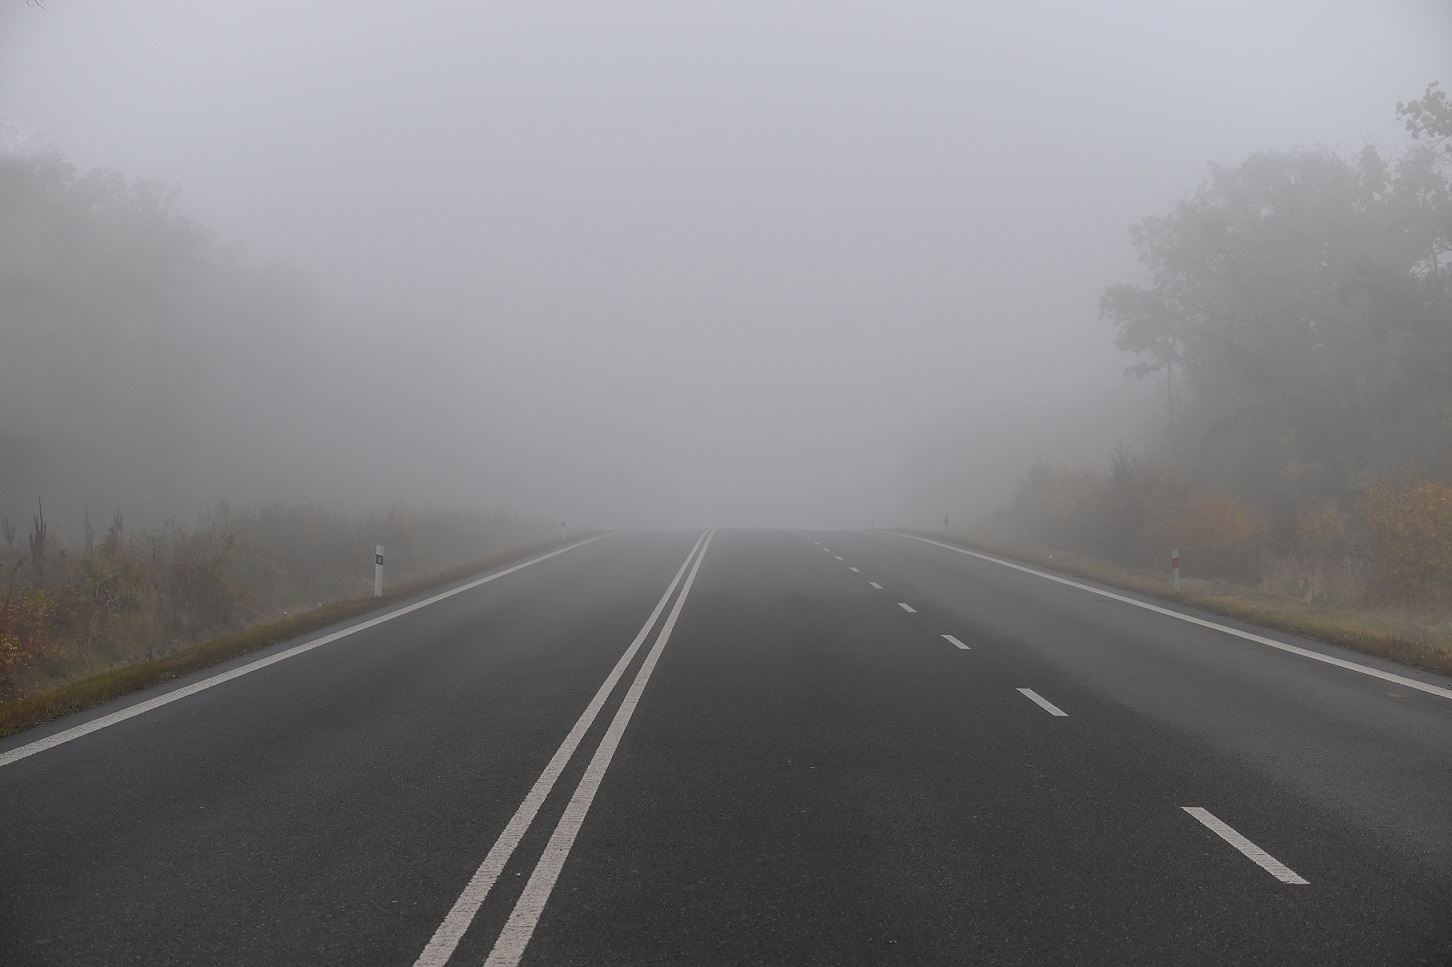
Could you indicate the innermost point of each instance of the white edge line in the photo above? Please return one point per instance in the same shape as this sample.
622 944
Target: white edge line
1044 703
457 921
907 607
140 708
1252 852
955 641
514 938
1248 636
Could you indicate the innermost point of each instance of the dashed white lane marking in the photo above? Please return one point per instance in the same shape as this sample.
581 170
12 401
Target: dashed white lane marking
907 607
95 725
1258 639
514 938
1252 852
854 570
875 585
955 641
837 556
457 921
1044 703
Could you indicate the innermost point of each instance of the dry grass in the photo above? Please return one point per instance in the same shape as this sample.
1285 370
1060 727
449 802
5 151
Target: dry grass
91 691
1420 640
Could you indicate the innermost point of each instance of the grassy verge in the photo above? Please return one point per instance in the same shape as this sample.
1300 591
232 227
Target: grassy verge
95 689
1396 636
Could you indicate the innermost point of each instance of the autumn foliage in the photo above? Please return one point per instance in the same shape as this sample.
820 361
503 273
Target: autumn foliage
1321 529
1134 515
1214 522
1409 528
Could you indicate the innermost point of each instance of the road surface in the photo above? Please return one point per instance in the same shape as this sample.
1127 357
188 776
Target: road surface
747 748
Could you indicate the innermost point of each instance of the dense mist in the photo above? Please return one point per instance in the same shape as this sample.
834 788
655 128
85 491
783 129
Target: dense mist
630 265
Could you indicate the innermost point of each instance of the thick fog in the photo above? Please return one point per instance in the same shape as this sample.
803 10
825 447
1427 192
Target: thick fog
633 264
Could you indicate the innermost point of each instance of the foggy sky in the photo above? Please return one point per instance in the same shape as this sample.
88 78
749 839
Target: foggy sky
667 265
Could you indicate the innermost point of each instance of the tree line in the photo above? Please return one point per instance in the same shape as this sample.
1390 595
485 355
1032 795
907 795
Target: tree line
1296 318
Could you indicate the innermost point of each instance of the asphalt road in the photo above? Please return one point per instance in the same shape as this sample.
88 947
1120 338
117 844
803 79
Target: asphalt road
748 748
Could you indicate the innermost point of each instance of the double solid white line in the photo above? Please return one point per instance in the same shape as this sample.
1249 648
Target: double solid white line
510 945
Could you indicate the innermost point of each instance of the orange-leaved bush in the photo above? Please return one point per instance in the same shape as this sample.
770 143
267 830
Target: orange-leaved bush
1214 533
1410 529
1321 528
1213 522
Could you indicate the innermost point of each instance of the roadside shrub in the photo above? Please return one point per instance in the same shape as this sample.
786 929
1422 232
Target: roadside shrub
1126 515
194 582
114 583
1062 508
24 615
1410 531
1129 493
1214 533
1213 522
1141 504
1310 556
1322 529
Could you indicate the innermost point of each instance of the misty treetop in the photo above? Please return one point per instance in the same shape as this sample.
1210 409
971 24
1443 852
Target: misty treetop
1298 317
1429 119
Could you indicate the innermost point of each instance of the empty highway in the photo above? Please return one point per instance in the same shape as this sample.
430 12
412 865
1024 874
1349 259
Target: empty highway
747 747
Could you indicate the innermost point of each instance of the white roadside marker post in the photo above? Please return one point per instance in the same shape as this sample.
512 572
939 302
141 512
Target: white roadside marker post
562 532
1175 568
378 571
